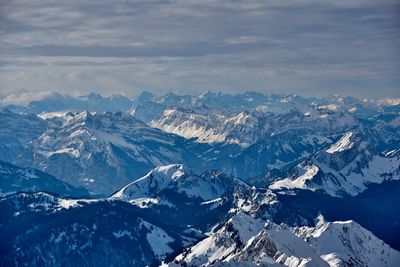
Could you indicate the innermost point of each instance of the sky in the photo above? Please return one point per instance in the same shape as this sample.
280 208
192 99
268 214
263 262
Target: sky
306 47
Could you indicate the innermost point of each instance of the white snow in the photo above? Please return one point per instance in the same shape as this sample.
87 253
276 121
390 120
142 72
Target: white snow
73 203
331 107
352 179
352 110
343 144
69 203
343 241
212 201
50 115
180 179
264 243
189 126
158 240
123 233
66 150
301 182
144 202
391 101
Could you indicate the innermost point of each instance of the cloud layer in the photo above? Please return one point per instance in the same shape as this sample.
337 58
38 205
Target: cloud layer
307 47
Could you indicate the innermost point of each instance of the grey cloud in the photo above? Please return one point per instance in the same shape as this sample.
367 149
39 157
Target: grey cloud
306 46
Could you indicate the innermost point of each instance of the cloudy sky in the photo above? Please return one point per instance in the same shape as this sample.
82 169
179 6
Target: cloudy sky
307 47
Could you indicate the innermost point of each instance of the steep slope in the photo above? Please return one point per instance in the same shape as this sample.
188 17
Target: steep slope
346 167
251 143
247 127
178 193
178 178
14 179
16 131
159 215
247 241
103 151
171 208
347 243
375 209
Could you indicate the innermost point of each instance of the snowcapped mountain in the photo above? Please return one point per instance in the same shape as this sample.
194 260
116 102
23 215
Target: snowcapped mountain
179 194
103 151
348 243
248 241
55 102
154 220
346 167
158 171
148 107
210 186
246 128
251 143
169 209
14 179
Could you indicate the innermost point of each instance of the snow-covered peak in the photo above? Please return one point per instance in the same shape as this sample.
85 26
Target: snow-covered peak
248 241
339 174
206 129
175 171
156 180
178 178
343 144
346 242
390 101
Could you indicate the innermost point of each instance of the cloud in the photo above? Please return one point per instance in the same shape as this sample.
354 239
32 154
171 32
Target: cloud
23 96
305 47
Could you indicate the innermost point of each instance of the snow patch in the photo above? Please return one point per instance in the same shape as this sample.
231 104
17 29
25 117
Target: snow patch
343 144
301 182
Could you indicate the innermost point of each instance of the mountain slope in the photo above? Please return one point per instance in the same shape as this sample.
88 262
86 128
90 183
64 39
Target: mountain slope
104 151
16 131
247 241
14 179
178 178
346 167
50 230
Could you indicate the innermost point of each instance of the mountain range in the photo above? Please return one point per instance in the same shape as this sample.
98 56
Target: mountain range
212 179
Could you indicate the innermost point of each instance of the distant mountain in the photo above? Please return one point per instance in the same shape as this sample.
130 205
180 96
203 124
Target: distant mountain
149 107
104 151
64 103
16 131
346 167
14 179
